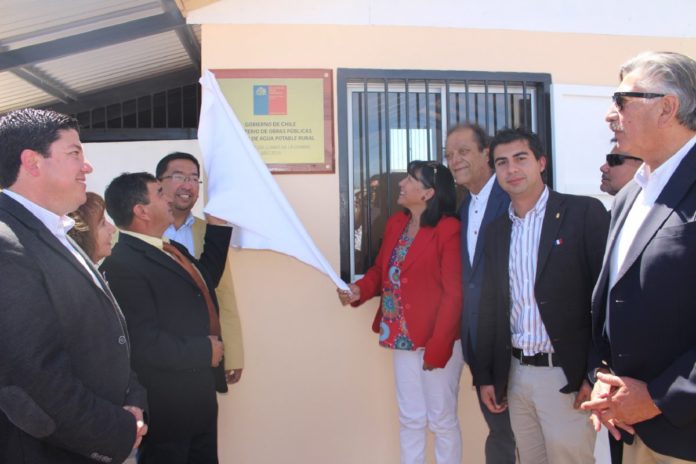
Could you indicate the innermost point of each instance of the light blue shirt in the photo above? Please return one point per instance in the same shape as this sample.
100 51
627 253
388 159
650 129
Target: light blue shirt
183 234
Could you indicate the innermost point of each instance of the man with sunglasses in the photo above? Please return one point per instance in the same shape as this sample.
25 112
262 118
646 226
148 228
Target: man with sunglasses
644 310
617 171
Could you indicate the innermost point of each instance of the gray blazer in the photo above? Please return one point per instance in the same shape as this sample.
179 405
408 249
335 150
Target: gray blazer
65 371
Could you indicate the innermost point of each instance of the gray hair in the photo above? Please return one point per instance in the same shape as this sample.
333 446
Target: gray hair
669 73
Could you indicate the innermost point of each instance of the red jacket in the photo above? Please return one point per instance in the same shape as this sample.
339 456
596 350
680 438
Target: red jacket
431 285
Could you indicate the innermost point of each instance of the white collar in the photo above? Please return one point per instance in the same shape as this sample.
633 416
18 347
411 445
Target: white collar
58 225
653 182
486 190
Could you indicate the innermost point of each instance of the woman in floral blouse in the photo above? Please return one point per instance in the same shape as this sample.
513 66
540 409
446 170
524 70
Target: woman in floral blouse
417 273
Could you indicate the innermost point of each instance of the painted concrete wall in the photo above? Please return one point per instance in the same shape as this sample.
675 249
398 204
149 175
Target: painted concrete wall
667 18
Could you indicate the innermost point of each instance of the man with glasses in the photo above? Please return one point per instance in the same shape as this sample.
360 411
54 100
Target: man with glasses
644 310
179 174
466 151
618 170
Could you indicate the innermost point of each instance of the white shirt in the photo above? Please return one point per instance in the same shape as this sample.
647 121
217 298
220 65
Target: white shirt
57 225
652 183
528 330
183 234
477 208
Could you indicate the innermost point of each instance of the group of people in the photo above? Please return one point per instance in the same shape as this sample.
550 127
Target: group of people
569 317
107 350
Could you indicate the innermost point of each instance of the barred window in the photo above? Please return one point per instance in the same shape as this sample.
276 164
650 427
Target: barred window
388 118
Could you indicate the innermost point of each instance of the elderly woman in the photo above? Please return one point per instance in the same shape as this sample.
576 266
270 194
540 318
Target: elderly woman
418 275
92 231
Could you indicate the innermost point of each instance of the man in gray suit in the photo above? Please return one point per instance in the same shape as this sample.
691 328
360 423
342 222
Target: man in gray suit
67 393
466 152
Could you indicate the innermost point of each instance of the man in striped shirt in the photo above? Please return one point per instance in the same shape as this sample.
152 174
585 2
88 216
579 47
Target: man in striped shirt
542 261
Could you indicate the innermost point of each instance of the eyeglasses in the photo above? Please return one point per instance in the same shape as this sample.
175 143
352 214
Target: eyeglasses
619 98
615 159
180 178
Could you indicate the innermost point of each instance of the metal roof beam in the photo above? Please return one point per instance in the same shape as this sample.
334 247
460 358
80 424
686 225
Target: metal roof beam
88 41
128 92
61 28
45 83
185 34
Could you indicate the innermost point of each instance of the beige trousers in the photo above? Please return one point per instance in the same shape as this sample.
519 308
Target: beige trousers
547 429
639 453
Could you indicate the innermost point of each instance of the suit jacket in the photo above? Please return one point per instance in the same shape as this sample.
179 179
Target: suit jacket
229 314
653 310
472 273
430 285
65 372
169 324
573 236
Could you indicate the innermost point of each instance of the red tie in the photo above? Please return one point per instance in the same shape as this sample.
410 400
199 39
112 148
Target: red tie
196 276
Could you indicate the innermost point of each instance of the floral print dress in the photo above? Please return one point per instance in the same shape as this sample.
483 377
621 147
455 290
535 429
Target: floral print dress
393 331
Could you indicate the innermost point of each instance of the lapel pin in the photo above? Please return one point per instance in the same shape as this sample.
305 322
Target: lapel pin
558 215
559 241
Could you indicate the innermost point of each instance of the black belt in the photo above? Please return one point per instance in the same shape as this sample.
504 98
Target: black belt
538 359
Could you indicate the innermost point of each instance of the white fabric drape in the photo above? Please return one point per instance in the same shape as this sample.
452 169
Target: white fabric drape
242 190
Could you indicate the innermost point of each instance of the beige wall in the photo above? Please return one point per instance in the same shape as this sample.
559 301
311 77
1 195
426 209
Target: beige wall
571 58
317 388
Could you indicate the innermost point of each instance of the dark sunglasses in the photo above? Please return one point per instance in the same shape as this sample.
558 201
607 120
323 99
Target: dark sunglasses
434 166
619 98
615 159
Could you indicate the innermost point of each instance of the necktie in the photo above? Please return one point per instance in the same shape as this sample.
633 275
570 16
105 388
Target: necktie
198 279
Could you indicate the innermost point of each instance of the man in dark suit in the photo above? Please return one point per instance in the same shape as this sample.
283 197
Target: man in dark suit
169 301
644 315
466 152
542 260
67 393
617 171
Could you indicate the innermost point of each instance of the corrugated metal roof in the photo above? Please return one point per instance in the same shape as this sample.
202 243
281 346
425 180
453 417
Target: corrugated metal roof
15 92
62 51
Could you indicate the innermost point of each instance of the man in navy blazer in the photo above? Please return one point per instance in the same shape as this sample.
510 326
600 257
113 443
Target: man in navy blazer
67 392
466 151
644 304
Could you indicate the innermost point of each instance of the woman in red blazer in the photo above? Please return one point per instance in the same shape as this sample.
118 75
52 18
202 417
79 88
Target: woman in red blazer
417 273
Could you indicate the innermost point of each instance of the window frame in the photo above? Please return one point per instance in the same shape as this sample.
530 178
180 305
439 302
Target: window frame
349 79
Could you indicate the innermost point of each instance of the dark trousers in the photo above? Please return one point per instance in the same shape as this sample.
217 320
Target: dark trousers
500 443
196 449
615 449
